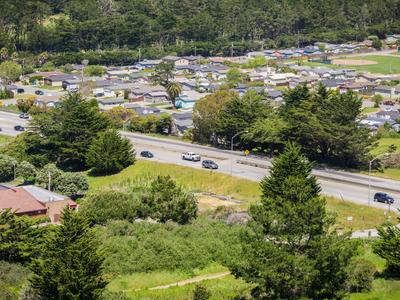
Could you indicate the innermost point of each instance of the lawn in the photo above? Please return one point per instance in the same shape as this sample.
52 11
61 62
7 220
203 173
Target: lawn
4 139
383 145
385 64
370 110
242 189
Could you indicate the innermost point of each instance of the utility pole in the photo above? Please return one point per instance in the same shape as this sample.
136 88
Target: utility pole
231 49
195 50
139 55
49 185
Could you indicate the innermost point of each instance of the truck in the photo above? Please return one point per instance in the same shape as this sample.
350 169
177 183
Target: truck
191 156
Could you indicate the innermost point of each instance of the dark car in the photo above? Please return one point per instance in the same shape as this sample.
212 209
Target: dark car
24 116
39 92
209 164
147 154
19 128
20 91
383 197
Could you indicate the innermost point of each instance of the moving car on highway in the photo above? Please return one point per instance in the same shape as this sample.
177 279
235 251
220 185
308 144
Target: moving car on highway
19 128
147 154
383 197
191 156
39 92
24 116
209 164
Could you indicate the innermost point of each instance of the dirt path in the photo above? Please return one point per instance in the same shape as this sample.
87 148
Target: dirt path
191 280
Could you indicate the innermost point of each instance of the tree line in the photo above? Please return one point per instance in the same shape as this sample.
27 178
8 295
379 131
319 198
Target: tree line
324 123
207 25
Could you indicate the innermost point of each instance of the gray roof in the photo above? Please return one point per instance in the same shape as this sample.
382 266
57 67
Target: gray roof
61 77
111 101
43 195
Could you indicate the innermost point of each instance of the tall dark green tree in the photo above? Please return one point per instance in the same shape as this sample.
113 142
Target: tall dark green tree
63 134
289 251
71 263
110 153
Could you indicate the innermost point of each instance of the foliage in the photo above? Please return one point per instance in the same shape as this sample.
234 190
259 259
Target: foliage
234 76
255 62
64 134
201 293
12 278
49 173
20 239
377 99
26 170
110 153
10 71
325 125
94 70
25 104
119 116
388 247
289 252
377 43
160 124
7 168
71 263
163 73
6 94
48 67
174 89
361 274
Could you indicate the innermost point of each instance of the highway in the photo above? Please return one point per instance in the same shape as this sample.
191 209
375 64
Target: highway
344 185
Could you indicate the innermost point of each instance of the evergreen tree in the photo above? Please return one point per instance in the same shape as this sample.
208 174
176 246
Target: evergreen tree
163 73
110 153
288 251
71 263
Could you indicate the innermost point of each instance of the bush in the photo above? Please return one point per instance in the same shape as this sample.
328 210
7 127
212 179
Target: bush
201 293
72 184
26 170
361 273
7 168
151 124
94 70
48 67
12 278
49 173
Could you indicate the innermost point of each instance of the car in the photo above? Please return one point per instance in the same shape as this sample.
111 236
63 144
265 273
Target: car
19 128
147 154
20 91
191 156
209 164
24 116
383 197
389 102
39 92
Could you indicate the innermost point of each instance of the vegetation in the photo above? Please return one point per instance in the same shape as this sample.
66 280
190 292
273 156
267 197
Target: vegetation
161 124
71 263
10 71
94 70
110 153
174 89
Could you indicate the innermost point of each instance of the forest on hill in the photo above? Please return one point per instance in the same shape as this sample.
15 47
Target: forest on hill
210 26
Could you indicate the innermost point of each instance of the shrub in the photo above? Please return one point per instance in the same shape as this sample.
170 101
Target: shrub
7 168
94 70
201 293
72 184
361 273
26 170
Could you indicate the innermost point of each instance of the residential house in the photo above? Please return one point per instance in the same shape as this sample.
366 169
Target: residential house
181 122
332 84
194 60
177 61
188 99
141 93
71 84
108 103
387 91
148 64
47 101
143 110
57 80
34 201
279 79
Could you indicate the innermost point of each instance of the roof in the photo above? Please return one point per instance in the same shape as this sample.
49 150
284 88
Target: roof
60 77
19 200
111 101
43 195
172 58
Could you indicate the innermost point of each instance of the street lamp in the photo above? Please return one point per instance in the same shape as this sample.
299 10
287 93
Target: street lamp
233 137
369 175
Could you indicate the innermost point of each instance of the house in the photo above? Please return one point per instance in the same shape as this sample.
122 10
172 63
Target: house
279 79
143 110
182 122
71 84
359 87
275 95
388 115
47 101
177 61
149 93
188 99
108 103
148 64
387 91
34 201
332 84
57 80
193 60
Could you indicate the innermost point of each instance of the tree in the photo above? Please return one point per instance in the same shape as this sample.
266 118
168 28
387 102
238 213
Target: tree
164 200
24 105
20 239
289 251
388 247
205 115
110 153
235 76
94 70
163 73
377 43
201 293
377 99
26 170
7 168
4 54
120 116
10 71
49 175
71 263
72 184
63 134
174 89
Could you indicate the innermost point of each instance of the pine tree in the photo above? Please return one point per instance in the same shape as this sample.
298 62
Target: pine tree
71 263
110 153
288 250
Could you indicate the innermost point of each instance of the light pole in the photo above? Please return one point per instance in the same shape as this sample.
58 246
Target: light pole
233 137
369 175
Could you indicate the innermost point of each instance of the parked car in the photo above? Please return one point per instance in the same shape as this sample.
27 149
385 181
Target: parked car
20 91
19 128
39 92
24 116
191 156
388 102
209 164
383 197
147 154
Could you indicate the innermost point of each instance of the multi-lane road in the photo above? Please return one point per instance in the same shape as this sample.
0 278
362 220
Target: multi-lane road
345 185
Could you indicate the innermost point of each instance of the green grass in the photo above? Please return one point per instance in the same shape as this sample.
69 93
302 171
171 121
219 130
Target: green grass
242 189
370 110
385 64
383 145
4 139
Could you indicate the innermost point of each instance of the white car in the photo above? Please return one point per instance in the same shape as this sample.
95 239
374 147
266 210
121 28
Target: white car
191 156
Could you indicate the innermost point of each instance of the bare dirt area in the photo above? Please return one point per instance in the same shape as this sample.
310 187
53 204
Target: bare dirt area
353 62
207 202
